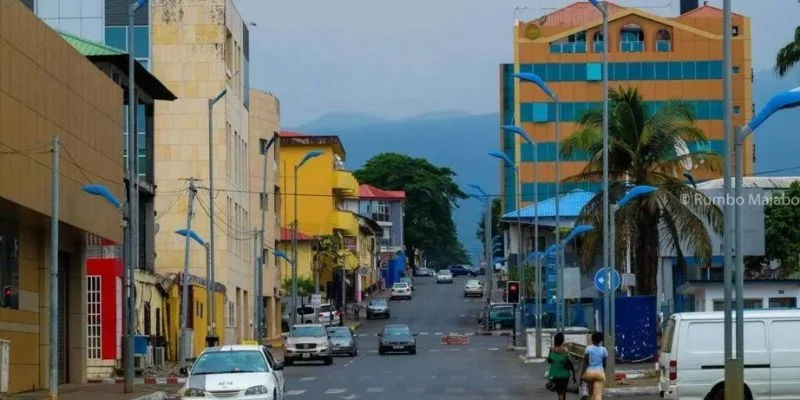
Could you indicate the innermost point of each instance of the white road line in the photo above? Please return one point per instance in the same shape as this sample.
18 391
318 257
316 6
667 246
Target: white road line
493 349
308 378
375 390
455 350
470 334
423 333
438 333
463 315
335 391
294 392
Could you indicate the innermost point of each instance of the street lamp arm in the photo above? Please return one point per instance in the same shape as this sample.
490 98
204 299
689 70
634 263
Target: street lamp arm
218 97
635 192
192 234
478 189
521 132
577 231
783 100
311 154
136 6
507 160
102 191
602 7
536 80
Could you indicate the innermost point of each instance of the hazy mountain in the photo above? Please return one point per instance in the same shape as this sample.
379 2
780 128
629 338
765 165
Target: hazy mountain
461 141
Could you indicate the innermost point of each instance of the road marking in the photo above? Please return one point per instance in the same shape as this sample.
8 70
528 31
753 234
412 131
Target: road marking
308 378
469 334
455 350
294 392
463 315
335 391
350 397
438 334
423 333
493 349
375 390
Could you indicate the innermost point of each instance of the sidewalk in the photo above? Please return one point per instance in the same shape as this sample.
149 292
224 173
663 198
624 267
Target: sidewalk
100 392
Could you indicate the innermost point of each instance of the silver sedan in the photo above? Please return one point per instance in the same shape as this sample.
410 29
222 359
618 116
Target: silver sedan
473 287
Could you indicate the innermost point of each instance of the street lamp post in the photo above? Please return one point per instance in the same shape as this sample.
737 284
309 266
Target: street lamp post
212 335
308 156
190 234
259 272
609 305
487 237
538 81
280 254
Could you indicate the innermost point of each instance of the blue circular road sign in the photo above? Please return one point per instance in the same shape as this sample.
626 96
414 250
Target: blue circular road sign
600 279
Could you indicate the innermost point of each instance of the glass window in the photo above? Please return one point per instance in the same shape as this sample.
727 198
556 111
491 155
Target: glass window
220 362
141 41
782 302
715 70
749 304
634 71
620 71
715 109
594 72
553 72
689 70
541 70
735 69
568 111
115 37
702 69
662 71
567 72
579 72
540 112
675 71
663 46
9 264
737 110
648 71
599 46
580 109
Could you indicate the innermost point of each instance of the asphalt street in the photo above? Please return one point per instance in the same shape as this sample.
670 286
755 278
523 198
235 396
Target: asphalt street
482 369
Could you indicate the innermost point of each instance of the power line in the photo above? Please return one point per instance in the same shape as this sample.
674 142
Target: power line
172 204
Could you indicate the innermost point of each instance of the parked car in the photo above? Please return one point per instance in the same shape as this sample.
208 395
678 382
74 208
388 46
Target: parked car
691 356
344 341
422 271
461 270
241 367
444 276
308 342
401 290
396 338
500 317
378 308
328 315
473 287
409 281
484 315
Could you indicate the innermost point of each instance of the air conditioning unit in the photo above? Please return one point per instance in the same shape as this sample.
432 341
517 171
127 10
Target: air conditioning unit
158 356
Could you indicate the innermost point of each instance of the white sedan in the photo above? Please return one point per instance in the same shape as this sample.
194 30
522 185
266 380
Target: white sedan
401 290
444 276
235 372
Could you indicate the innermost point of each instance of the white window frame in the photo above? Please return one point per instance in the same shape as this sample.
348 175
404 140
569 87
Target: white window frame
94 317
231 320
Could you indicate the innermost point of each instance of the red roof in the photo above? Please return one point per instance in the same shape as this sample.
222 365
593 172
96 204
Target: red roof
371 192
291 134
706 11
286 235
577 14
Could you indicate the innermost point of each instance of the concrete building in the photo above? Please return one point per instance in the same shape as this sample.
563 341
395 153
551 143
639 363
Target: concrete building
325 188
265 121
47 88
664 58
200 49
387 208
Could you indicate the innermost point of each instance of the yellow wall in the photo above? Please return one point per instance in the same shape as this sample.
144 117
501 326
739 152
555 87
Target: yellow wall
305 257
200 320
315 187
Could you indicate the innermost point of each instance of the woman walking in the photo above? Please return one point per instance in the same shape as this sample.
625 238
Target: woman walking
594 366
561 367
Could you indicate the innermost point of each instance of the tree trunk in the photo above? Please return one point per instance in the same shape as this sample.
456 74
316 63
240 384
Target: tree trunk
647 258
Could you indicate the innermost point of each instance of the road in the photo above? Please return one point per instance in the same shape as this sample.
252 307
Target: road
480 370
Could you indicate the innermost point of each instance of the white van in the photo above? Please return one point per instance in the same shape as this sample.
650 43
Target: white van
691 357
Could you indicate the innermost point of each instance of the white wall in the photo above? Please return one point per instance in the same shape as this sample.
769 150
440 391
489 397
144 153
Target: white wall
704 300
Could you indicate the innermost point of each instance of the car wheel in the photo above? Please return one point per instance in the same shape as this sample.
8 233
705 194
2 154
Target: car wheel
381 351
329 360
387 315
413 351
288 362
274 393
498 325
354 353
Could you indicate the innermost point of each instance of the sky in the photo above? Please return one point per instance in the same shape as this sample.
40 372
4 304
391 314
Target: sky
403 58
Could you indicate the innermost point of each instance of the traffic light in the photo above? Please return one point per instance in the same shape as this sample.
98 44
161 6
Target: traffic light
513 291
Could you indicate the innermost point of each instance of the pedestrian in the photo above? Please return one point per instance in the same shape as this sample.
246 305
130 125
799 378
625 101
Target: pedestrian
561 367
594 366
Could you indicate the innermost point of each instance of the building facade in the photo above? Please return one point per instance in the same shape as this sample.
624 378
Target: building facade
265 195
386 207
200 49
664 58
47 86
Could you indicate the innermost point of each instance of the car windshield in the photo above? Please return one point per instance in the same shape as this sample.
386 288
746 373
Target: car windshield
400 285
396 331
378 302
326 308
306 331
408 280
444 272
339 332
230 362
473 282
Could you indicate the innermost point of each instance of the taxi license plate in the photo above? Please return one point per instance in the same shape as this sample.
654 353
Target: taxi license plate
398 347
306 355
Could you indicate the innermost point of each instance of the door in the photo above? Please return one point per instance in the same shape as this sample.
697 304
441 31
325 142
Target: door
785 362
63 316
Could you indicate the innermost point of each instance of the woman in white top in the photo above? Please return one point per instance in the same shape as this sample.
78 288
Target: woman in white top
594 364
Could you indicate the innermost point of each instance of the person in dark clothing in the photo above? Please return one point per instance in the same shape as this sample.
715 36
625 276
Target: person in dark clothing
561 367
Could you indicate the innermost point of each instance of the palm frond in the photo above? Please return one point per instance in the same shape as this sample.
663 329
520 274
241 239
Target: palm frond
789 55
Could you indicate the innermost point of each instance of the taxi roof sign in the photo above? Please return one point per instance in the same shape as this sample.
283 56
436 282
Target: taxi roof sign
250 342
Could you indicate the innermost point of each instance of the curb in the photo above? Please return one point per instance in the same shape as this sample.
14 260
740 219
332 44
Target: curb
633 391
152 396
492 333
533 360
141 381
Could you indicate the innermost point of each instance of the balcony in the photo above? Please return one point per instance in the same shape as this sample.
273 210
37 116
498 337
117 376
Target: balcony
344 182
569 47
346 222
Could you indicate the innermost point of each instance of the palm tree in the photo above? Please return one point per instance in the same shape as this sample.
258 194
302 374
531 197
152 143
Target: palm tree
644 150
788 55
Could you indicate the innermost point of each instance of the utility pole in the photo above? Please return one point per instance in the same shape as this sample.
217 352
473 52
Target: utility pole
487 244
54 272
256 286
210 291
184 339
260 271
213 338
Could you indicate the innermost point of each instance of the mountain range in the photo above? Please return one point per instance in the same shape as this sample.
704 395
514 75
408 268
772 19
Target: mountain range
461 140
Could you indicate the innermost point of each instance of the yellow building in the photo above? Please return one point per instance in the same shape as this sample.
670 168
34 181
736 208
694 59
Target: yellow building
323 189
305 255
47 88
197 56
199 311
265 121
664 58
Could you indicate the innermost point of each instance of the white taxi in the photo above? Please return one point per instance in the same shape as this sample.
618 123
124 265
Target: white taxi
247 371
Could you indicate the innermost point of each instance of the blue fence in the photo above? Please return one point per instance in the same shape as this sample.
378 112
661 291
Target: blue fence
635 328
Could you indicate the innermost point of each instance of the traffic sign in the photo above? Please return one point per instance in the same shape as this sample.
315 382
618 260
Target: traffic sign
316 300
600 279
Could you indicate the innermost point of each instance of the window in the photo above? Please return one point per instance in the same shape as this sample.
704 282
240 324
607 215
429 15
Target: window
231 322
147 319
9 263
540 112
737 110
782 302
749 304
190 312
94 317
663 41
594 72
631 39
735 30
117 37
735 69
599 42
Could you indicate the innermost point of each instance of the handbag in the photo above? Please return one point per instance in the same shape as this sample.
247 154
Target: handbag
583 389
550 385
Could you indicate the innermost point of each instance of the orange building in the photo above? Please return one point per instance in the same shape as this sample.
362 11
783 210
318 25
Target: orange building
665 58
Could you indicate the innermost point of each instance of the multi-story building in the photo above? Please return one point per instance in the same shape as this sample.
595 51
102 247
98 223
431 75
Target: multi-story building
47 88
265 121
664 58
324 189
200 49
385 207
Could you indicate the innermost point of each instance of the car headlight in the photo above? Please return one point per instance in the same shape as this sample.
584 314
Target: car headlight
260 389
193 392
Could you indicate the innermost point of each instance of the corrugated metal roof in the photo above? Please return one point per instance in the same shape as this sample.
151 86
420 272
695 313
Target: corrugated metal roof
764 182
577 14
570 205
89 48
371 192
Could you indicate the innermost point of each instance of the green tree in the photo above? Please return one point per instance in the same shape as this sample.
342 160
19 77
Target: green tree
496 227
431 195
782 238
644 150
305 287
789 55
